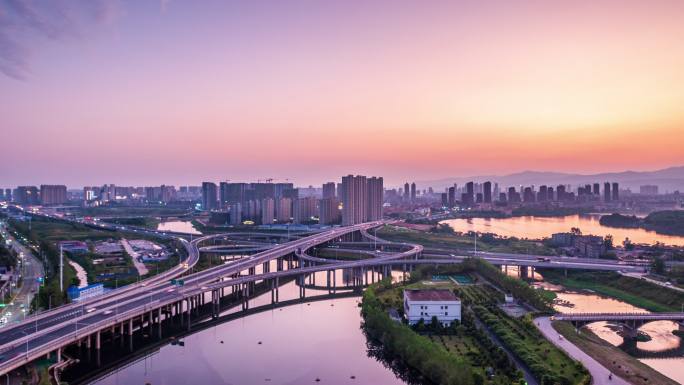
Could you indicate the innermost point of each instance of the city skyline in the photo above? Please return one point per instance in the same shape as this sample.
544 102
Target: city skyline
182 93
673 175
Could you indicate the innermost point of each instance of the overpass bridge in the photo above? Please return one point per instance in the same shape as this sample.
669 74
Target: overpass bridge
630 322
146 302
156 299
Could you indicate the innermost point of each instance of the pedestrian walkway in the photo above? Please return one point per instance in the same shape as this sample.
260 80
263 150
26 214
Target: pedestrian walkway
598 372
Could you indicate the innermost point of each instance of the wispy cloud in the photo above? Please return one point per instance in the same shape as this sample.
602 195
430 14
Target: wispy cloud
22 22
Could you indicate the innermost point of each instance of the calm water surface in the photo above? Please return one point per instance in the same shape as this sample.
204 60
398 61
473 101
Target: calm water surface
300 343
178 226
543 227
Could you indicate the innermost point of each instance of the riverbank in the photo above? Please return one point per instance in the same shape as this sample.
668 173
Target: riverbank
599 373
445 237
610 357
636 292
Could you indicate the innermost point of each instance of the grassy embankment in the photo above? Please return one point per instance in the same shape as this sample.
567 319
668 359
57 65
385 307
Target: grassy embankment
637 292
465 242
617 361
133 211
146 222
340 255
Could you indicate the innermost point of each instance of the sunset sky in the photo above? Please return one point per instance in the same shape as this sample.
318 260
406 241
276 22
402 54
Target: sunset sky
177 92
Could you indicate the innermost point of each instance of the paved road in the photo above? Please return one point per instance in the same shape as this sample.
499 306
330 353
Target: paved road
598 372
32 269
67 323
653 281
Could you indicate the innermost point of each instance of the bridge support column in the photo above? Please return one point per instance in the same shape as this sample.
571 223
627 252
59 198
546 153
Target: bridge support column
159 322
59 354
189 315
97 340
87 342
130 326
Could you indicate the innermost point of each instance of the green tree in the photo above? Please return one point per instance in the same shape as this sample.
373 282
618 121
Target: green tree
608 242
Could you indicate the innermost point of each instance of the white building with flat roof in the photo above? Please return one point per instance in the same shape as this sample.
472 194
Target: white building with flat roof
427 303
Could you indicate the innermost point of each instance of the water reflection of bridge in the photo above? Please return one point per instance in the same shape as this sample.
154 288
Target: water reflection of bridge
123 352
630 347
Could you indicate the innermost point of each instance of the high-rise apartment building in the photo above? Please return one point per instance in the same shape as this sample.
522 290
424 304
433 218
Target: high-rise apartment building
606 192
235 213
267 211
209 198
329 211
487 190
304 209
353 196
26 195
328 190
452 196
53 194
375 197
615 192
284 210
413 192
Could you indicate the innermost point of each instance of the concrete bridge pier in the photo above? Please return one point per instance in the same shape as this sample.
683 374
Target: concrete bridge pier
302 290
159 323
245 296
215 303
189 315
266 267
97 340
523 272
87 342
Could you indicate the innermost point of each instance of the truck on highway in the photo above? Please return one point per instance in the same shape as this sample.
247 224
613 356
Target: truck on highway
544 259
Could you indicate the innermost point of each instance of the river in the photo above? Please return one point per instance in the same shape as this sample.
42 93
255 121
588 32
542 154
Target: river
178 226
660 332
296 344
542 227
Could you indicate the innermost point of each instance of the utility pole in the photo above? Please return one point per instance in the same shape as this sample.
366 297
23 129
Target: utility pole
476 244
61 268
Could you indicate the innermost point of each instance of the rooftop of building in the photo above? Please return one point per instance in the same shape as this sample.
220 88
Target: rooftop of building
430 295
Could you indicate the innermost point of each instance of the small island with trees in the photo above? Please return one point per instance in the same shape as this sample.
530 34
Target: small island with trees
663 222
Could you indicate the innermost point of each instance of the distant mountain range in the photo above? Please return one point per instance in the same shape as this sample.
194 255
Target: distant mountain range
667 180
